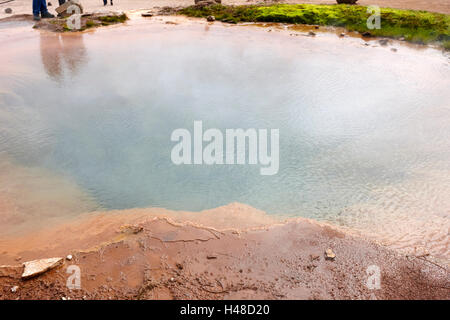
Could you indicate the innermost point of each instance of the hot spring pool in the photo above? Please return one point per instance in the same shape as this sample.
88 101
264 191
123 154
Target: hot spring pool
86 120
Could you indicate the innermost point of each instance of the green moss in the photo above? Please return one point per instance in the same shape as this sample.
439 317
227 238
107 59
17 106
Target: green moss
113 19
446 45
90 24
414 26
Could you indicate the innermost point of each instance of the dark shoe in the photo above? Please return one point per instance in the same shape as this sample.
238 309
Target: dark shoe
111 2
36 17
47 15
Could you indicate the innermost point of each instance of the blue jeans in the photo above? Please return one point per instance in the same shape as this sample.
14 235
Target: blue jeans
39 6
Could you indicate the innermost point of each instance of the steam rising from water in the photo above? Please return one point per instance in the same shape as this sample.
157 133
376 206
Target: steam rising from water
85 123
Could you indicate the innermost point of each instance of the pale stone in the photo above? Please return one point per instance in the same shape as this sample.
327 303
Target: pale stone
37 267
62 9
329 254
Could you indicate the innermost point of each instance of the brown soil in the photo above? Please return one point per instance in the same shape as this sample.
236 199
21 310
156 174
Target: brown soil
157 258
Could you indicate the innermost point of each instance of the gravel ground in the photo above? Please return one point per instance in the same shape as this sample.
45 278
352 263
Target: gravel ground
24 6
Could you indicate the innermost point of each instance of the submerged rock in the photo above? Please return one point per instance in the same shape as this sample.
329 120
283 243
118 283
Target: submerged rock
8 10
37 267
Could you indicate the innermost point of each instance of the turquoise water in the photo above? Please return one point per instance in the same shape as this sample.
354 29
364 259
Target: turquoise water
361 128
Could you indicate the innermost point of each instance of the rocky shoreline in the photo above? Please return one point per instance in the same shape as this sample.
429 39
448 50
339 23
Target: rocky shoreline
158 258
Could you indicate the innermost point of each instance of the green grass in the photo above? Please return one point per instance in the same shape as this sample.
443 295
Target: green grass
415 26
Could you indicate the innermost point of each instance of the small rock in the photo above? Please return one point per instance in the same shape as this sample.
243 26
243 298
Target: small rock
402 39
8 10
211 256
394 49
172 279
130 229
204 3
342 35
316 27
383 42
366 34
147 14
37 267
179 266
49 4
210 18
14 289
329 255
313 257
69 257
366 44
311 33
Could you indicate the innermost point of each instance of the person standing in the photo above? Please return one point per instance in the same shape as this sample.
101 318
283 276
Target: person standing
105 2
40 7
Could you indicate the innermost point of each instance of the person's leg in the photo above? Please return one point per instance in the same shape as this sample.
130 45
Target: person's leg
43 6
36 7
111 2
105 2
44 11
